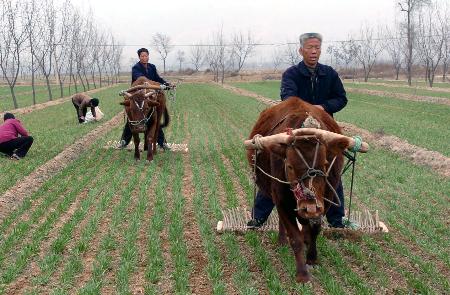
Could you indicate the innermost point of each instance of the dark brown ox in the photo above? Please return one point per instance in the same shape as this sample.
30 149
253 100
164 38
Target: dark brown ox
145 105
304 165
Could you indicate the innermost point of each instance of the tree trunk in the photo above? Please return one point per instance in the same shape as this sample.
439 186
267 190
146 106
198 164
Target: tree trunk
409 61
82 82
49 88
13 95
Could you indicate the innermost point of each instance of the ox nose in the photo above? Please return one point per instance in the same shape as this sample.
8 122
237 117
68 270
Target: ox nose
310 210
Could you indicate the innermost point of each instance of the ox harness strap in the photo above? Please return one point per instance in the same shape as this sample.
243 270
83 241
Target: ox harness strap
300 191
146 118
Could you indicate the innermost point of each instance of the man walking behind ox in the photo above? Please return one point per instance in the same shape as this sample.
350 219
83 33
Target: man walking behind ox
319 85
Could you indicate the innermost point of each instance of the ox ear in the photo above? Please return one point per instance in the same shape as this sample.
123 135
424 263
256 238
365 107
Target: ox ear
338 145
125 103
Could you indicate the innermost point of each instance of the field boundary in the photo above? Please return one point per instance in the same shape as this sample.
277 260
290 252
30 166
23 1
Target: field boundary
403 96
31 183
39 106
435 89
421 156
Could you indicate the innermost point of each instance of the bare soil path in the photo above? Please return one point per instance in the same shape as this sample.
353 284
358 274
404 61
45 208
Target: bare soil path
404 96
43 105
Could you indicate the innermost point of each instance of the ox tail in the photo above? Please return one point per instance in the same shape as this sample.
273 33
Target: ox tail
166 120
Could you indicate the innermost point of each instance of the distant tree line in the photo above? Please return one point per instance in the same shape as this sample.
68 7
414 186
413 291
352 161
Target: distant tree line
55 44
421 40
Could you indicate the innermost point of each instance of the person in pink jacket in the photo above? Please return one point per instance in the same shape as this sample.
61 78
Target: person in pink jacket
11 143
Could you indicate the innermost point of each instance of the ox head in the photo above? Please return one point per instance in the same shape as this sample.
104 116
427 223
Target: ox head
309 155
139 106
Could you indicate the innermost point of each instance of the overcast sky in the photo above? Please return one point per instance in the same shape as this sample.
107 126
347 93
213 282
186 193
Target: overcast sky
134 22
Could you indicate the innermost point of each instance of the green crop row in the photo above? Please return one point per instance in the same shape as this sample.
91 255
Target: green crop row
54 129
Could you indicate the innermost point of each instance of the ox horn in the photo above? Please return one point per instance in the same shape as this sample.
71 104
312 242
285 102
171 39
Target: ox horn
144 86
125 93
149 94
327 136
258 142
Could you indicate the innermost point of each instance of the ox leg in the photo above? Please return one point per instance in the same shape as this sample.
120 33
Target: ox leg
310 233
136 139
148 140
282 237
297 244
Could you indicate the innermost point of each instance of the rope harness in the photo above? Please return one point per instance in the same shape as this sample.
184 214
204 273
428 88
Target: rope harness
300 191
145 119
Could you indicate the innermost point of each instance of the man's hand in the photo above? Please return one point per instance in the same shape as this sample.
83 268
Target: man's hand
319 107
169 86
82 118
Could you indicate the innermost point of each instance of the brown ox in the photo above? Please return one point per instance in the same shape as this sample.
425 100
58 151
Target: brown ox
144 105
306 163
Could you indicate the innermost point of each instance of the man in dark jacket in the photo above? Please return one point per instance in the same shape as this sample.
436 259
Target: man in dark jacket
148 70
321 86
81 102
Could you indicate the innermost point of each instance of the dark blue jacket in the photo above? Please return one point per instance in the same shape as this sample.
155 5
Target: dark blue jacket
151 73
325 90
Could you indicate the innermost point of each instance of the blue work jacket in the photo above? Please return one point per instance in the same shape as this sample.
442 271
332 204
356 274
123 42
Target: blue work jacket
151 73
324 89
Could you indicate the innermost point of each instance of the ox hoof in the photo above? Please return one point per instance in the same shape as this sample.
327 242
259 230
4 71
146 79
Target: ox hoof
282 241
303 277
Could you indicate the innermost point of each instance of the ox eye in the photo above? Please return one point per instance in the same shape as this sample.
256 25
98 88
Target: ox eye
290 167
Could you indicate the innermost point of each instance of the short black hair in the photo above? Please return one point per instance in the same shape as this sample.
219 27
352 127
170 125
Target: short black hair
142 50
7 116
94 102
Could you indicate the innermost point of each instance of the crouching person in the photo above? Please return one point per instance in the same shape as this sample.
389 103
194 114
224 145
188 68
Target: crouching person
11 143
81 102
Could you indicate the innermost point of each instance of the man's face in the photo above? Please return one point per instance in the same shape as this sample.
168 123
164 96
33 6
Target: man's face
311 52
143 57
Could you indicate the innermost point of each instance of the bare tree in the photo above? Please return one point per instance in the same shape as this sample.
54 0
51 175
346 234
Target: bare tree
180 58
197 56
277 58
44 53
243 47
344 53
31 13
12 39
291 54
162 44
445 31
430 41
367 49
409 7
63 39
393 45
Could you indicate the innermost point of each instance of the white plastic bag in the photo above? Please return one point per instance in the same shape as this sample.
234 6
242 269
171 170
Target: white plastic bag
89 117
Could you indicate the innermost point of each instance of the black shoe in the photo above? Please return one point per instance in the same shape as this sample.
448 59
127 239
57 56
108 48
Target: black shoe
255 223
336 224
165 147
122 144
15 157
